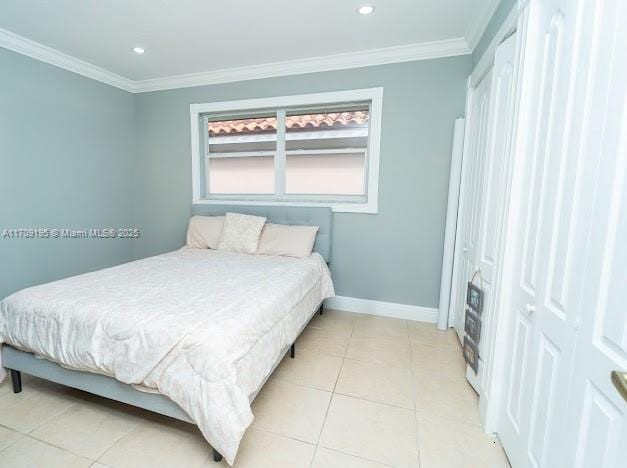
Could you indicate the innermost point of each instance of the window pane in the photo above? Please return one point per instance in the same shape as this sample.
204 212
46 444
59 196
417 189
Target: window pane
247 175
325 174
326 152
241 155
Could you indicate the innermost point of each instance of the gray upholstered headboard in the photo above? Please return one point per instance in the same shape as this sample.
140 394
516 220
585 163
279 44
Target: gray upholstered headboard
308 216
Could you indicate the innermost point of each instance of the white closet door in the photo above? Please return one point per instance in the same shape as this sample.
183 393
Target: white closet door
596 423
484 183
550 261
493 195
470 197
542 313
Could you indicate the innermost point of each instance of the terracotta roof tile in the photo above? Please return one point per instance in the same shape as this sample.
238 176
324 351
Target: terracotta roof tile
292 122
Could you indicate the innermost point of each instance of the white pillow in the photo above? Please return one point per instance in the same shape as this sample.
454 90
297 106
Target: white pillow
203 232
241 232
289 241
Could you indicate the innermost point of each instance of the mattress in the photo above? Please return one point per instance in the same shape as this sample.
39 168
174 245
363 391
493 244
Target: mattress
203 327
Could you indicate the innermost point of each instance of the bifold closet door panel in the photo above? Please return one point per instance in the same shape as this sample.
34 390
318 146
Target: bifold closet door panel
469 199
494 186
566 309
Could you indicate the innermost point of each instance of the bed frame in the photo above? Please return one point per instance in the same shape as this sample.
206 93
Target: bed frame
17 361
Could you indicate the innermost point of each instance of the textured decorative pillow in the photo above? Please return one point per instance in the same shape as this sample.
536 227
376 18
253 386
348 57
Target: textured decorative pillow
203 232
288 241
241 232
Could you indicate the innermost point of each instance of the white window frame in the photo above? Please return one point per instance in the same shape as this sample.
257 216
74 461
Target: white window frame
373 95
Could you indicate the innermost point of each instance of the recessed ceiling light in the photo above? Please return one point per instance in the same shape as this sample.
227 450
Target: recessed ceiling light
138 50
365 9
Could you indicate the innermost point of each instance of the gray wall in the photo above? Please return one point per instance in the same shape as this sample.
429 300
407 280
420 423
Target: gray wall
66 161
393 256
493 26
75 153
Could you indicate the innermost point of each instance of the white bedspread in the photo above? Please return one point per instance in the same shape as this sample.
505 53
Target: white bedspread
202 327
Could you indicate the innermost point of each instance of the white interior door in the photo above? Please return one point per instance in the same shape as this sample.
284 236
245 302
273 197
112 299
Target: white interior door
542 303
486 169
493 188
565 122
470 197
596 425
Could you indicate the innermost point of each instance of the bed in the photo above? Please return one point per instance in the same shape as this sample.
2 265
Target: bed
192 334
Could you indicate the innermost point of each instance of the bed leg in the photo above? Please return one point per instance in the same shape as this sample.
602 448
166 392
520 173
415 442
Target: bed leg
293 351
321 309
216 456
16 380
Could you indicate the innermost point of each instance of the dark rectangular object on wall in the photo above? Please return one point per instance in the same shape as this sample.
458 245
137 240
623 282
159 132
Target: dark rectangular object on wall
472 326
471 354
474 298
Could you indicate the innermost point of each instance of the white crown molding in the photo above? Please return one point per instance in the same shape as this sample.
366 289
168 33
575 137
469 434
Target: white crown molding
43 53
405 53
366 58
476 29
384 309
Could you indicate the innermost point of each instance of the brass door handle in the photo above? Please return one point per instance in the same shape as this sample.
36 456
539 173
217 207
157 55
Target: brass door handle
619 379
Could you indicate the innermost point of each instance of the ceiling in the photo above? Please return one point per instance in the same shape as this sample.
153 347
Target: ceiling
191 36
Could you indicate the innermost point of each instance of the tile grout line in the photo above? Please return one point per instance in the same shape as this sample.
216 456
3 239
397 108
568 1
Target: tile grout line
326 414
318 446
374 363
279 434
446 419
333 392
314 353
364 399
11 443
359 457
390 405
115 443
30 434
94 460
60 448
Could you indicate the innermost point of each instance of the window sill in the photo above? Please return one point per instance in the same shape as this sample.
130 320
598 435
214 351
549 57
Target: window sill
368 207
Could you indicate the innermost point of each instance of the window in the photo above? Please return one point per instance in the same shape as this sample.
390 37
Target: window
310 150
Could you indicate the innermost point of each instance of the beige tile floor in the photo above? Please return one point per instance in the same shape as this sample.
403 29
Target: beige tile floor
363 392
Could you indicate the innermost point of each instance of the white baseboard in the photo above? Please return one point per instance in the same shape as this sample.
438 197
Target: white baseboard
385 309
